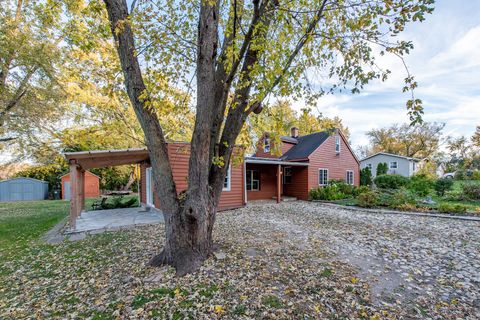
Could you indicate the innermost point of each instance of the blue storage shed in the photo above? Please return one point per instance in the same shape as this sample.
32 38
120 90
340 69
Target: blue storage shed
23 189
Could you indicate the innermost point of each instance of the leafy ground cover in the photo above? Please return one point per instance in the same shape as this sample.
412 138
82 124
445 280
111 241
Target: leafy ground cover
293 260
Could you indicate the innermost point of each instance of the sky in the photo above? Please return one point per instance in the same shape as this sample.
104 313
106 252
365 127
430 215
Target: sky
446 64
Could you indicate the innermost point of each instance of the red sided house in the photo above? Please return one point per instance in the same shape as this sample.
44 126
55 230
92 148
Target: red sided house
233 195
305 162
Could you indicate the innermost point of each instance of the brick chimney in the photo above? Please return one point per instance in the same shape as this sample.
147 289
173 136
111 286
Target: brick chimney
294 132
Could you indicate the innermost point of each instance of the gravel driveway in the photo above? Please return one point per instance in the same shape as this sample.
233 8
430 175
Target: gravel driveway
404 259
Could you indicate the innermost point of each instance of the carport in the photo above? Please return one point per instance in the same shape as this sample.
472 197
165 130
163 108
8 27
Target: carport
81 161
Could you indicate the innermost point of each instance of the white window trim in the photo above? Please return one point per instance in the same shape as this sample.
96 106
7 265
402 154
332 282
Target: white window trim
338 142
266 145
369 165
353 177
251 182
390 165
326 182
285 175
229 179
149 201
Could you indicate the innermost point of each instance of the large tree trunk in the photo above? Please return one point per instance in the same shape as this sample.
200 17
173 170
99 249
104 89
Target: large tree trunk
188 237
189 218
189 231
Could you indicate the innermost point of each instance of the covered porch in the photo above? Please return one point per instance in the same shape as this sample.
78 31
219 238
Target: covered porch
270 178
81 161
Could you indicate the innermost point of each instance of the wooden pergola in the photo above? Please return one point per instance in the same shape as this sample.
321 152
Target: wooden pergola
85 160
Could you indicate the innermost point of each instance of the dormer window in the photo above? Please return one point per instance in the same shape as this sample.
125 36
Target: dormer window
337 144
266 145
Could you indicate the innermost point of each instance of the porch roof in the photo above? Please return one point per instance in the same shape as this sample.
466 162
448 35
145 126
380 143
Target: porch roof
259 160
107 158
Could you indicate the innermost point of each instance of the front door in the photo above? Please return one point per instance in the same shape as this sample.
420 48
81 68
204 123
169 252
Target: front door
149 187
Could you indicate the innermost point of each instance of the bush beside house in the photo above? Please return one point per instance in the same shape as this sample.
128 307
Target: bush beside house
417 193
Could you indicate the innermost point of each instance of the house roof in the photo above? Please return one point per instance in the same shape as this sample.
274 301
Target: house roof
260 160
392 155
305 146
289 139
24 178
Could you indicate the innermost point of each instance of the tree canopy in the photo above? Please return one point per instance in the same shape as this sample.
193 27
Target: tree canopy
30 54
421 141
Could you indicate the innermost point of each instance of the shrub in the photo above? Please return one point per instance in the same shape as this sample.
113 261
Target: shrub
401 198
395 198
421 185
346 189
454 196
460 175
382 168
330 192
336 190
391 181
117 202
476 175
360 190
452 208
368 199
366 177
443 185
471 190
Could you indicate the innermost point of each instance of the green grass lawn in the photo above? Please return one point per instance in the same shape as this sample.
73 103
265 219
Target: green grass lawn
23 222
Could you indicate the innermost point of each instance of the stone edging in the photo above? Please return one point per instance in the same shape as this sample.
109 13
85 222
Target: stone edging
407 213
55 235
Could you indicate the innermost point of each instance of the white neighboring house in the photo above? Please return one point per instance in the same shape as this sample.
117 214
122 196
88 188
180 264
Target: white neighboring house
405 166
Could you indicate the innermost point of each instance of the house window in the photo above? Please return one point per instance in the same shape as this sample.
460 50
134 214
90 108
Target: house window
369 166
393 165
287 175
349 177
337 144
414 166
227 182
253 180
266 145
322 177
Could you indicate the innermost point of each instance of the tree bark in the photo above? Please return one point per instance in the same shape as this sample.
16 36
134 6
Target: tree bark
189 218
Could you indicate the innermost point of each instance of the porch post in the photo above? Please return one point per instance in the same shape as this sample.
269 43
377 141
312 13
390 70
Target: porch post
82 191
279 183
73 193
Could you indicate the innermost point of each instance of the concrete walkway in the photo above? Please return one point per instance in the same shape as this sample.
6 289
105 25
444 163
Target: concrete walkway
116 218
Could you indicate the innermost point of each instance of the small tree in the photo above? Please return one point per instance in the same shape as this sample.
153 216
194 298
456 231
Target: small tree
382 168
443 185
366 177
